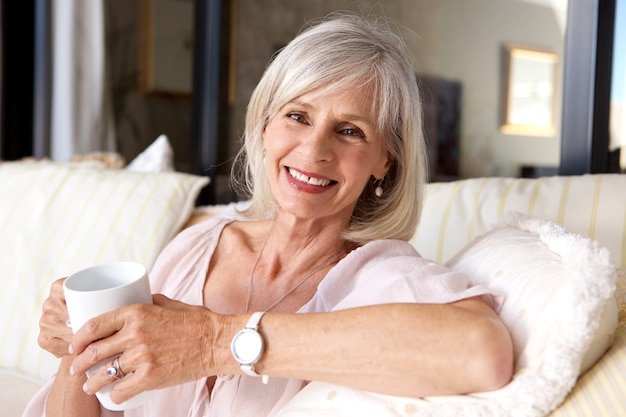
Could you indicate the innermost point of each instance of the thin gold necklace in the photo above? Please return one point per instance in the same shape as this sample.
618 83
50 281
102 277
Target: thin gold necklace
324 264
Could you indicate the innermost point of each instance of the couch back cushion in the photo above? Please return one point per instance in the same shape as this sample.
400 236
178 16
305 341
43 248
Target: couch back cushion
58 218
590 205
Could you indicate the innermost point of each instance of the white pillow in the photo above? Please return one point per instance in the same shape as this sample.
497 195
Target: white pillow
558 305
546 275
57 218
158 157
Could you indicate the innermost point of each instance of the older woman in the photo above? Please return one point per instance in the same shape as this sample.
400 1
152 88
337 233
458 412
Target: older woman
334 164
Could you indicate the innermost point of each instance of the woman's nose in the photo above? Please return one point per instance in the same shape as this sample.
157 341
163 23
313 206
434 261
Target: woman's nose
317 145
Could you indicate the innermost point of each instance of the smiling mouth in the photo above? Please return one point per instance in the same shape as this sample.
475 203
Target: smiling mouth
309 180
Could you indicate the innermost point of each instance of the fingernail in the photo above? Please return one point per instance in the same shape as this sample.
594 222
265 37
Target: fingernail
85 388
70 349
72 372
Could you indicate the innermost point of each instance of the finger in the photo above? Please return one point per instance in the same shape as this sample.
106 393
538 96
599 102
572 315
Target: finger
54 334
126 388
127 384
57 287
94 329
54 338
105 336
139 377
104 373
57 296
95 352
128 379
55 303
58 347
55 324
55 313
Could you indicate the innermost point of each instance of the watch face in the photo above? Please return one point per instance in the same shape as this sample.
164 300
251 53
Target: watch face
247 346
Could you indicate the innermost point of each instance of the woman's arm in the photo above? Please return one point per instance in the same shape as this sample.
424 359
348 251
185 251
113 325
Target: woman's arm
399 349
67 398
413 350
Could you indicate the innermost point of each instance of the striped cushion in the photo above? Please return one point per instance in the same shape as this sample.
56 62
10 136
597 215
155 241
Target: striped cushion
57 218
602 390
590 205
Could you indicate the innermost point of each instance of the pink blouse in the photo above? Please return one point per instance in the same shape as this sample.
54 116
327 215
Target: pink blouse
384 271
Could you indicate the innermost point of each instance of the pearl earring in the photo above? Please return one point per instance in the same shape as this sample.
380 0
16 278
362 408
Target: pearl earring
379 189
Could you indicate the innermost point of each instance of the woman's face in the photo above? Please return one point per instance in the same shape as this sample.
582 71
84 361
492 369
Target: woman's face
321 150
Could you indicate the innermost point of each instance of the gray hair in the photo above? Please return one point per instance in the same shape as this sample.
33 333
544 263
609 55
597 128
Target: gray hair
347 51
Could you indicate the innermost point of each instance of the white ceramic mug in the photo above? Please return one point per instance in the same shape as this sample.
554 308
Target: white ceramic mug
97 290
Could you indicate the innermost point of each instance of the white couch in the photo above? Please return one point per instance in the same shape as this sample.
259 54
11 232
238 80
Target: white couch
57 218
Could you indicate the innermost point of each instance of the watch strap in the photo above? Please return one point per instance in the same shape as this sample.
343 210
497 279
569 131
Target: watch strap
253 324
254 320
249 370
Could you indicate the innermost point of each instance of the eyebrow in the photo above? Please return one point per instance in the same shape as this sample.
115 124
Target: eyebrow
347 116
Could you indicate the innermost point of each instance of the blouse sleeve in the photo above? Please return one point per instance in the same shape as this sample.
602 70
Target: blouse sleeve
180 269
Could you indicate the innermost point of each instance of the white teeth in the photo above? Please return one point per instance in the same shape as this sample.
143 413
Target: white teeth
309 180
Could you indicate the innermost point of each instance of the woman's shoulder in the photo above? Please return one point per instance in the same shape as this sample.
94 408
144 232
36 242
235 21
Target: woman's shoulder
387 258
213 225
370 274
388 271
384 249
193 241
394 257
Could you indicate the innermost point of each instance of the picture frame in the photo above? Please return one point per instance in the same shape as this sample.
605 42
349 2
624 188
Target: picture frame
166 50
529 99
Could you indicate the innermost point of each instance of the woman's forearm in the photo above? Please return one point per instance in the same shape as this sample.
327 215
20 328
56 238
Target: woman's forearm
67 399
403 349
413 350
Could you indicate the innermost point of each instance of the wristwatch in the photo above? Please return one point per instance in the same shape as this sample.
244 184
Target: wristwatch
247 346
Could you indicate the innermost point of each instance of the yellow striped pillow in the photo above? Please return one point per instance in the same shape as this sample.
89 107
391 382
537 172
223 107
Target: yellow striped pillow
602 390
57 218
456 212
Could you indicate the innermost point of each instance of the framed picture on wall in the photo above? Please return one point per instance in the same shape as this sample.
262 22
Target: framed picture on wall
529 77
166 51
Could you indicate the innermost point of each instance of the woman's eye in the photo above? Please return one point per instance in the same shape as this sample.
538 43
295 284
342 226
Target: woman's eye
297 117
352 131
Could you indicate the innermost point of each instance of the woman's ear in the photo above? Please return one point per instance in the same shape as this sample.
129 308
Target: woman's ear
381 171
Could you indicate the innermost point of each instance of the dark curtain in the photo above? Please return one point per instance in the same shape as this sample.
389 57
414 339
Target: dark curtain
25 99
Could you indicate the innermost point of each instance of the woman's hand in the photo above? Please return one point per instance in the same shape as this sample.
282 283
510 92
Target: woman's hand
54 333
158 345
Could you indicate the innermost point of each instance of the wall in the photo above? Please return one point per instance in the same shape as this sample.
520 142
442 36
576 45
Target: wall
476 61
